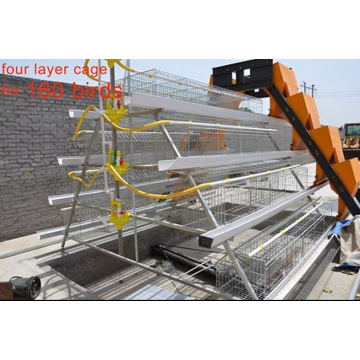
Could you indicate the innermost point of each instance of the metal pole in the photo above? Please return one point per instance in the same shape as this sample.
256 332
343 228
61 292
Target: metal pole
240 271
115 148
355 289
305 87
136 244
103 140
83 173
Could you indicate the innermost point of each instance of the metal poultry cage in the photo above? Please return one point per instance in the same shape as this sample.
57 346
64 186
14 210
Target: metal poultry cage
274 262
215 136
162 84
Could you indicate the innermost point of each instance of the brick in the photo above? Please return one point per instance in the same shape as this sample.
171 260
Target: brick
31 140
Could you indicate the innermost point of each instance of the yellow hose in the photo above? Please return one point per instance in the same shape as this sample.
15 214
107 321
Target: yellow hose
186 192
86 64
117 127
118 62
117 177
78 127
72 175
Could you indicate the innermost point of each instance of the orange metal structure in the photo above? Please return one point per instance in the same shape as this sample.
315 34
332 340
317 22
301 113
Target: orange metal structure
327 138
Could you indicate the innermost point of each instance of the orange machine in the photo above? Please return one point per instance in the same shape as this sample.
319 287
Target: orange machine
326 137
262 78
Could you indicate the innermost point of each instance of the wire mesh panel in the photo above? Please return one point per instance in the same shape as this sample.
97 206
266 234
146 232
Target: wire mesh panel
193 140
159 83
274 261
89 223
231 202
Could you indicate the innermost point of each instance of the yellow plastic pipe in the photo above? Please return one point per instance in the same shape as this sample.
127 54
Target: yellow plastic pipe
78 126
118 62
186 192
72 175
86 64
112 170
117 127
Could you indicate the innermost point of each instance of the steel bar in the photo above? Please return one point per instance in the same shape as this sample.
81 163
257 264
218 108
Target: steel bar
79 186
45 234
77 114
115 148
157 272
283 232
355 289
67 198
240 271
79 160
210 161
281 223
185 107
216 237
133 197
220 126
103 139
170 225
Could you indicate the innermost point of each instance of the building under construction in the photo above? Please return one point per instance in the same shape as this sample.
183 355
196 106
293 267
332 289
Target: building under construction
184 190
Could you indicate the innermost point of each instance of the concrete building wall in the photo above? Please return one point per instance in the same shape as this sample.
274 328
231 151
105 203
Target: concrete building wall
33 132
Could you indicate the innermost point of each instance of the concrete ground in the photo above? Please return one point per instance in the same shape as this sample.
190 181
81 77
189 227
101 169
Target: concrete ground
333 285
34 263
120 285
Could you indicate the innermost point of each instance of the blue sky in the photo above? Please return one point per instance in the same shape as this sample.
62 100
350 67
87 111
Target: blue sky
327 75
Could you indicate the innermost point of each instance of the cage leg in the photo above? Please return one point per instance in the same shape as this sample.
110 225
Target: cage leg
79 187
240 270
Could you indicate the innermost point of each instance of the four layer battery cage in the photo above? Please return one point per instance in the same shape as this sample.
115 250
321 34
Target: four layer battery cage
274 262
220 135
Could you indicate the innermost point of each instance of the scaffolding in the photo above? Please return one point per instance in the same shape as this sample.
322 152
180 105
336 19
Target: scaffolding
237 159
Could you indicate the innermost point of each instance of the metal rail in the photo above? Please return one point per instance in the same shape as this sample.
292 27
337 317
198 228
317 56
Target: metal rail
355 289
218 236
211 161
185 107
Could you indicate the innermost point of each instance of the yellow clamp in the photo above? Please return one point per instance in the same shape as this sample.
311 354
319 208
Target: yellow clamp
117 216
115 115
282 232
228 181
262 247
